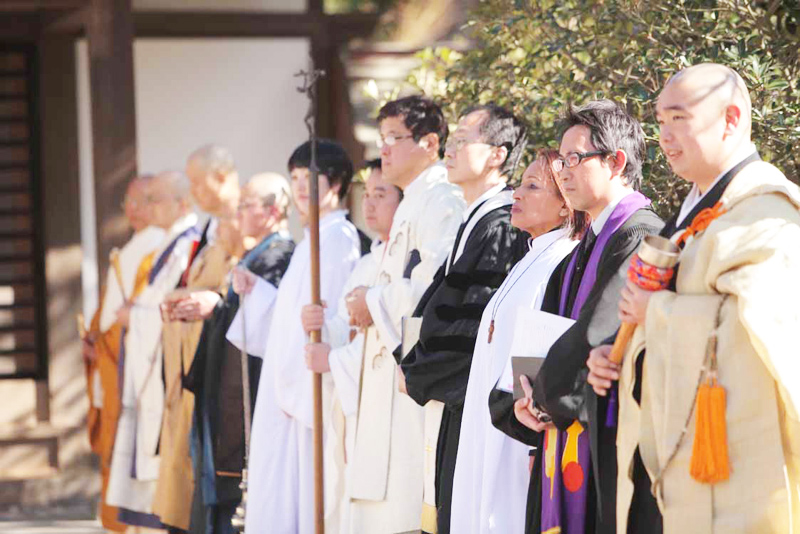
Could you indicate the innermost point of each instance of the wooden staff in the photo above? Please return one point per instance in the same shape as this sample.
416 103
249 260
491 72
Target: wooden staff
651 269
309 88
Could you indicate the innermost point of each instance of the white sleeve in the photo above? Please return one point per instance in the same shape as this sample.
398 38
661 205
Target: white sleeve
257 313
345 363
436 231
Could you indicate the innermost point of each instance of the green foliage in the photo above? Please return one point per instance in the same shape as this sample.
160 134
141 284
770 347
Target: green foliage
538 56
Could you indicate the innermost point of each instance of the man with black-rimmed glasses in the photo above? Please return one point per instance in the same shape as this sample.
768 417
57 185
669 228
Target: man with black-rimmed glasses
387 474
573 484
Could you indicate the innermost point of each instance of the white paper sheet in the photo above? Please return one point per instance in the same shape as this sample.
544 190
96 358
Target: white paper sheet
535 332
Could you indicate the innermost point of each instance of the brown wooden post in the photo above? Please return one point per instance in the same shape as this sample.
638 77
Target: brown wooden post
110 37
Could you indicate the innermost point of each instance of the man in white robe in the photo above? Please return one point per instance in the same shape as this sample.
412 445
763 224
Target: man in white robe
135 463
342 350
387 475
281 496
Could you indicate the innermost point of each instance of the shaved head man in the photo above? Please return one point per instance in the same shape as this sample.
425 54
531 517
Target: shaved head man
135 203
704 116
728 322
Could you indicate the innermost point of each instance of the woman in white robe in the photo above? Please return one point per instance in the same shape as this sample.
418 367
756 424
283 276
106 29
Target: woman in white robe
490 486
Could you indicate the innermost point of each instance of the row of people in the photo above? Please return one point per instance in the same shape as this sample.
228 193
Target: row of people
426 437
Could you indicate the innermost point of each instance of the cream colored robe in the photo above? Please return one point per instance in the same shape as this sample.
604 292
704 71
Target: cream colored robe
751 253
173 498
142 390
386 476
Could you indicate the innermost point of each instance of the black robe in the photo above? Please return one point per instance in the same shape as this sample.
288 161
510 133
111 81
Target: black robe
215 378
451 309
560 388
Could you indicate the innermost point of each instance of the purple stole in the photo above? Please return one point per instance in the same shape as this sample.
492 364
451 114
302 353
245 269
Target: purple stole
566 460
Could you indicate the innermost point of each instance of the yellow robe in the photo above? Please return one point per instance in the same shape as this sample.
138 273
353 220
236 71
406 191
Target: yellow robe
102 421
751 256
173 498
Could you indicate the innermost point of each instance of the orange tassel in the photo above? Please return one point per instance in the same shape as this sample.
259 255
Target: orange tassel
710 462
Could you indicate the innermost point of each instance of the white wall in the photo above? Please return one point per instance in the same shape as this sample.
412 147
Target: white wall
220 5
239 93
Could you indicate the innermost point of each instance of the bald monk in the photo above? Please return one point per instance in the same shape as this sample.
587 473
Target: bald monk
216 374
101 346
739 229
215 190
135 462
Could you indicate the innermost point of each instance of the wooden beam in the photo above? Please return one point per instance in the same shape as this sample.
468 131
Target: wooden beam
205 24
73 22
110 35
32 6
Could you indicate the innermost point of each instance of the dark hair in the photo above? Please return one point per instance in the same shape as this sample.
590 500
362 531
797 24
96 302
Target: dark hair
503 128
332 161
612 129
421 116
577 221
376 164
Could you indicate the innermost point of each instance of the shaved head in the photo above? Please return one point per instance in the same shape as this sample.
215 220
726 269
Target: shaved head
705 123
135 202
168 196
270 188
713 85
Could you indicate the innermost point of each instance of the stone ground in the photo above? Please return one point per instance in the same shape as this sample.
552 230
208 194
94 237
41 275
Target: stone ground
50 527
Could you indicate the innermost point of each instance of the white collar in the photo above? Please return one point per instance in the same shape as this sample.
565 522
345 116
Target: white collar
600 222
543 241
484 197
330 219
694 197
431 175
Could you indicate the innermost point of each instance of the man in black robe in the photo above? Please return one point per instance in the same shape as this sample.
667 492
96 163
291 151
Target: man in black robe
216 373
602 149
481 156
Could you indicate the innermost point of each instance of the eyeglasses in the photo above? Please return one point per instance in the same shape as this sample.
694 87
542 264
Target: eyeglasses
573 159
132 203
455 145
391 140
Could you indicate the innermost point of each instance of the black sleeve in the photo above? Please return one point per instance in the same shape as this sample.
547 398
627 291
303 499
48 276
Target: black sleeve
440 364
559 388
501 409
273 262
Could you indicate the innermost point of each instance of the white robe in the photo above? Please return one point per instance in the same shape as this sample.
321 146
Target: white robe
490 486
142 390
281 497
345 362
386 475
131 255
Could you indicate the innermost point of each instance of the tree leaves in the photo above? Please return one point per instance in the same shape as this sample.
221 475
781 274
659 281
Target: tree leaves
539 56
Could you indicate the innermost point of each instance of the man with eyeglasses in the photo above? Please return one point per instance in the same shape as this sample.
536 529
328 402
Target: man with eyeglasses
600 169
101 344
387 470
215 377
481 157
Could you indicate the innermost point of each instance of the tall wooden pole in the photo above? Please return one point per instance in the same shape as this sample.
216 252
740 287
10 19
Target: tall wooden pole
309 88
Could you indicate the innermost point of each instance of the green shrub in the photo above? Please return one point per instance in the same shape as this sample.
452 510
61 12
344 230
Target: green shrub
539 57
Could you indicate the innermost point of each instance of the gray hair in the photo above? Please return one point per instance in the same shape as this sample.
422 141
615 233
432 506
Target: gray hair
178 182
214 158
273 189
